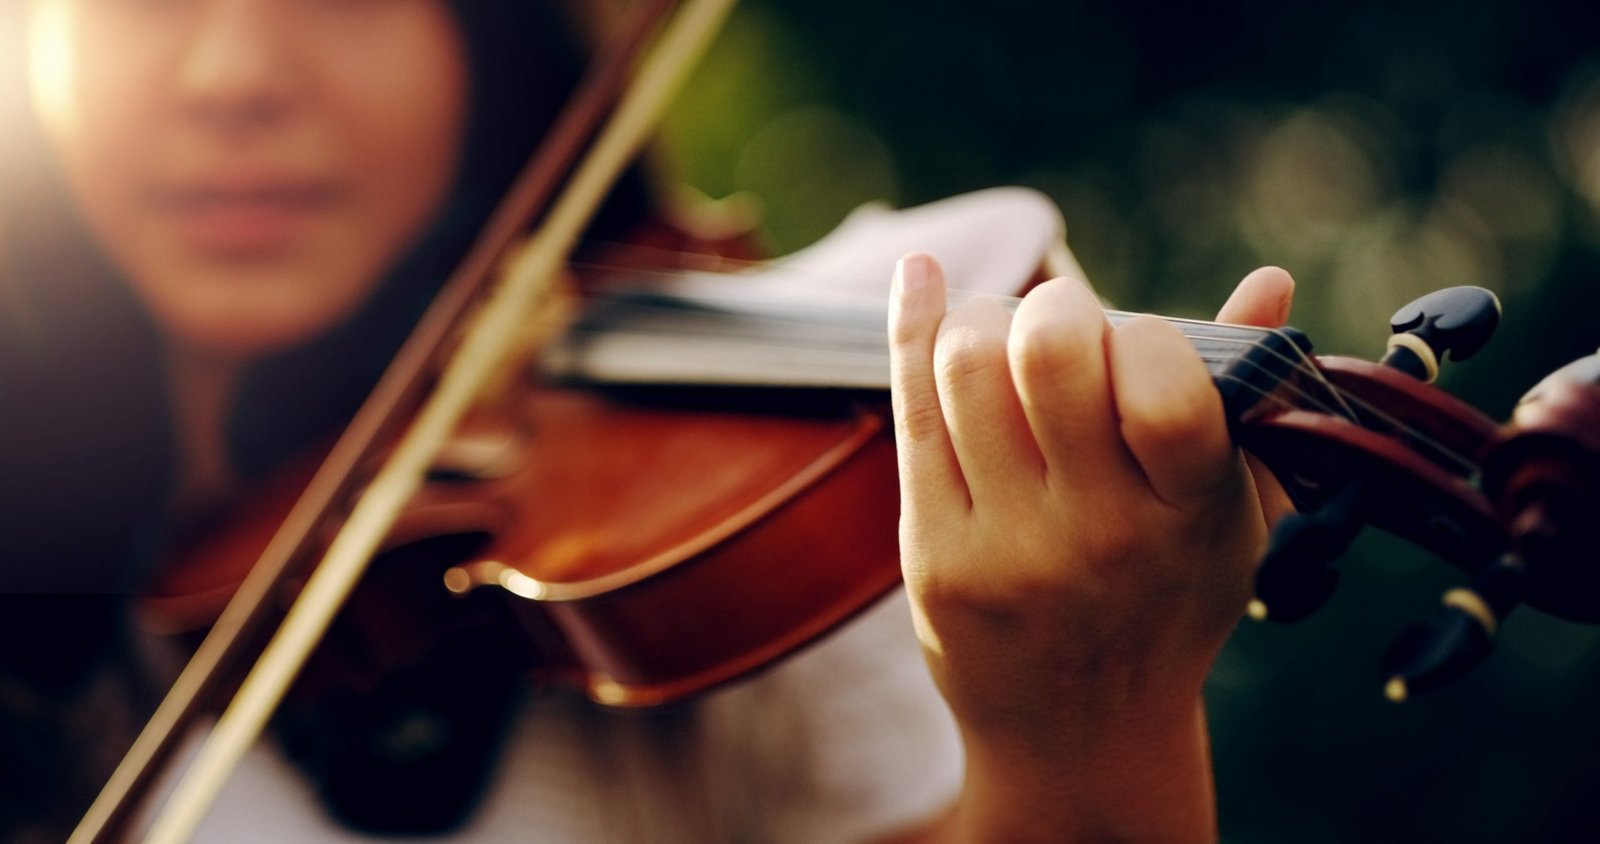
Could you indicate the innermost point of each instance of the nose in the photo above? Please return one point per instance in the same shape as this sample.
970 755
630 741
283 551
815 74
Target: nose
235 75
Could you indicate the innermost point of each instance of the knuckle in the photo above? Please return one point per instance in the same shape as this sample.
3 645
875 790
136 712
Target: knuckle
965 354
920 417
1042 353
1055 341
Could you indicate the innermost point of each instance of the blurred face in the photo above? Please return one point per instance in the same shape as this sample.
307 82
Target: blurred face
252 166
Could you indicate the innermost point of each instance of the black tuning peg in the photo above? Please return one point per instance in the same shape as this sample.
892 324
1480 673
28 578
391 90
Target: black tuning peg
1458 320
1459 636
1296 576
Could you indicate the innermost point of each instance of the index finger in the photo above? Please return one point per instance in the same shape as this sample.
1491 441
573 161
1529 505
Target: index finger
929 473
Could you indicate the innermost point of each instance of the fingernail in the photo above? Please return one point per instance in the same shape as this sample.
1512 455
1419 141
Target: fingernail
910 274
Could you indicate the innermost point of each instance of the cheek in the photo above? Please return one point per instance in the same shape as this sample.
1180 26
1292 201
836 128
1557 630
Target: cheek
406 137
94 81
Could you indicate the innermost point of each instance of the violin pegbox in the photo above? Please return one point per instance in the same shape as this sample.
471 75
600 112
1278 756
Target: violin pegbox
1513 506
1542 476
1348 454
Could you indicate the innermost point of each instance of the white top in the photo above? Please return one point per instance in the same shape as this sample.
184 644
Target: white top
845 742
816 317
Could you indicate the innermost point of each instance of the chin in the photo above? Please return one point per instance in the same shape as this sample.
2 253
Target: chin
251 312
244 336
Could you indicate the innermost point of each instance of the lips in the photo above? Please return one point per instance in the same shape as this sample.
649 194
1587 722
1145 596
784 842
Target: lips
244 219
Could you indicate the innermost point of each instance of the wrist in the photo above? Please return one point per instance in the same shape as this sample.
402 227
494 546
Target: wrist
1140 777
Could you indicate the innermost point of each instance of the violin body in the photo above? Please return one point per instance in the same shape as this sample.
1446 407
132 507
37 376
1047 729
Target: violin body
675 547
662 507
640 542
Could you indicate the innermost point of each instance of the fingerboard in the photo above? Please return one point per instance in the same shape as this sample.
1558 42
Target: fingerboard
725 338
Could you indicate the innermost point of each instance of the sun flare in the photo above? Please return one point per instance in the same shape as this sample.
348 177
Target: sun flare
50 61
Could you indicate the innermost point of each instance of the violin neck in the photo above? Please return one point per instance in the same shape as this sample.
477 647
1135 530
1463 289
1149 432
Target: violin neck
656 339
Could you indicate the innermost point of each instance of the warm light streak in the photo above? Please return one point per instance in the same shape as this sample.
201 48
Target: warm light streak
51 61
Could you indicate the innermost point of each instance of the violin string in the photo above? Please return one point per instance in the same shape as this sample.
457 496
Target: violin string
1465 464
871 344
1267 395
878 347
1318 374
875 345
1305 365
870 341
874 342
871 304
874 349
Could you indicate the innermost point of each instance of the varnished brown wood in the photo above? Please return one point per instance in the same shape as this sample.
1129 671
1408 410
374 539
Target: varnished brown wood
675 547
1543 476
1315 455
1444 426
700 546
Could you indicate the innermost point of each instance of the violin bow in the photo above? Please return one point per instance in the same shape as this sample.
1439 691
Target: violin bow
496 327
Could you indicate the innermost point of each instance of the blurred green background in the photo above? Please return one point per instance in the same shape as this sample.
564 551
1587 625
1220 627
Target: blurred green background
1377 150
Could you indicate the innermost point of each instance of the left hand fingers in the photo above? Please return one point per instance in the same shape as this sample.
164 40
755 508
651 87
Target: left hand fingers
1171 415
1059 364
931 485
993 444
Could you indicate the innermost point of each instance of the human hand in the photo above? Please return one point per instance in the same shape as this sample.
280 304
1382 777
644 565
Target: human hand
1078 533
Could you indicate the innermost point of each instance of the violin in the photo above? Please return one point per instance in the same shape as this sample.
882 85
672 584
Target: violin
754 565
698 477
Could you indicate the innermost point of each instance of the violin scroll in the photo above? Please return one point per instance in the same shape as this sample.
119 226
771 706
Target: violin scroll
1349 454
1514 506
1543 478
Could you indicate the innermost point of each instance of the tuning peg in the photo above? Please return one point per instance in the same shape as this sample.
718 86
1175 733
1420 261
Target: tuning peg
1459 636
1458 320
1296 576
